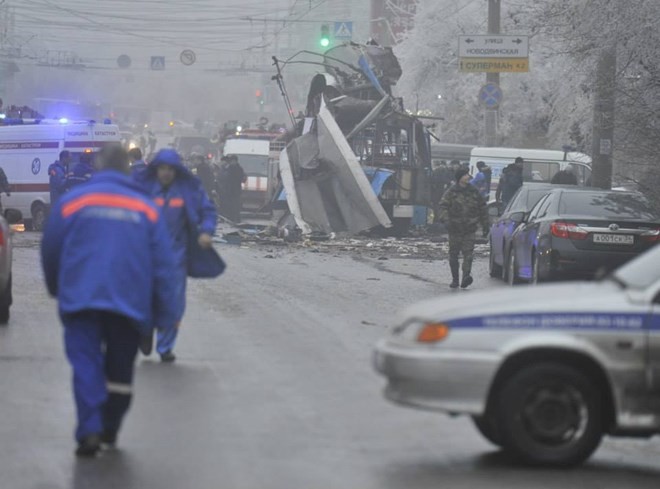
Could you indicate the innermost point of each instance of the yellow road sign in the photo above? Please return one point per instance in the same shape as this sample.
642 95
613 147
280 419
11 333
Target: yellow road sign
494 65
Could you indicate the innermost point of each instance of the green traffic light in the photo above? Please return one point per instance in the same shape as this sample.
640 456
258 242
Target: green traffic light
325 42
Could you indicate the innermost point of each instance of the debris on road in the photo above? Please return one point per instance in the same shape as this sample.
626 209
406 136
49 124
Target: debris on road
422 246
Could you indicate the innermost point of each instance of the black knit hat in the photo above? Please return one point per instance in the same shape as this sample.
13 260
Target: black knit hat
460 173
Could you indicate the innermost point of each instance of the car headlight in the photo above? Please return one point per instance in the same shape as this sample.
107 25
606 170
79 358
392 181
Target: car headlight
422 331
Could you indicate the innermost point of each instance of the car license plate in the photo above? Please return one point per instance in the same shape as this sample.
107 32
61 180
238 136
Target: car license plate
616 239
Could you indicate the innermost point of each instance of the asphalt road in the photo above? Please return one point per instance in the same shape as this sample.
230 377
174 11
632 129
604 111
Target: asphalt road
273 388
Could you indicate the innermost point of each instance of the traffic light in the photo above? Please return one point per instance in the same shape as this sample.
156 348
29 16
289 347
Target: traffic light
259 95
325 36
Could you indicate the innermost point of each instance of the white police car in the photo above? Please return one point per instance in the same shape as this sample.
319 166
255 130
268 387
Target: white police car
545 371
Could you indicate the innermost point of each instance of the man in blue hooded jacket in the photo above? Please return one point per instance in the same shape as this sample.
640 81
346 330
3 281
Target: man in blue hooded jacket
191 219
107 257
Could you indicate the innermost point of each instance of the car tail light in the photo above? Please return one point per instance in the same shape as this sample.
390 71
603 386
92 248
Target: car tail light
433 333
568 230
2 237
651 236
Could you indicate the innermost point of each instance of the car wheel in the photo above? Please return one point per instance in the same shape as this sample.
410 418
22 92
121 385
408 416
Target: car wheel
550 414
494 269
487 426
5 302
38 217
511 274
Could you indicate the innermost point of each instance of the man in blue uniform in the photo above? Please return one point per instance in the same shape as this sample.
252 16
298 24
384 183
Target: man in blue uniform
81 172
135 158
191 219
107 257
57 173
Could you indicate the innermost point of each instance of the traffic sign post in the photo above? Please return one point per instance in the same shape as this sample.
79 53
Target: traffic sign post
124 61
158 63
490 95
343 31
188 57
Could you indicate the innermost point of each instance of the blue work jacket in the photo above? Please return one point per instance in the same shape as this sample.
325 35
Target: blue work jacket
80 173
56 181
188 212
106 247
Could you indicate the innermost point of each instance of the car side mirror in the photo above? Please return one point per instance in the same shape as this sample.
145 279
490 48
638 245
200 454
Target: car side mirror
518 217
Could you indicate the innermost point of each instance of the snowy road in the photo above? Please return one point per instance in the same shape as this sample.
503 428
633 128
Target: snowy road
273 388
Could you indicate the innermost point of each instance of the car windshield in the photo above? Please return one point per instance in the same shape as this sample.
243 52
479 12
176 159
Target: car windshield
613 205
256 165
641 272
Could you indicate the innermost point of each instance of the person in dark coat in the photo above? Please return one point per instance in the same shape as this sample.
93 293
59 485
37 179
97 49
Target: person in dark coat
564 177
510 181
204 173
191 219
57 173
230 184
107 258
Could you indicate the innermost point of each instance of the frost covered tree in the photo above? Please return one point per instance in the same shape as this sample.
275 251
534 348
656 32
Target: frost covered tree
552 105
429 57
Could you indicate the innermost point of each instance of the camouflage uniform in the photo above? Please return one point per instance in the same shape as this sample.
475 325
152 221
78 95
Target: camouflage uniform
462 209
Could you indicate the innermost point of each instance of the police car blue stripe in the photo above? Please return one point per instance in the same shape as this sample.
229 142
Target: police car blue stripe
572 321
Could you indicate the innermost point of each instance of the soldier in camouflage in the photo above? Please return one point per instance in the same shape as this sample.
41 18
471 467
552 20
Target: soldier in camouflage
462 209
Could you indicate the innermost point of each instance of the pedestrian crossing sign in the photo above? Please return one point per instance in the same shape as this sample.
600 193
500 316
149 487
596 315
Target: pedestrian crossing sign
158 63
343 31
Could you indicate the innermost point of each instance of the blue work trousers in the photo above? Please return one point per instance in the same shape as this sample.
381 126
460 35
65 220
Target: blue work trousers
101 347
166 337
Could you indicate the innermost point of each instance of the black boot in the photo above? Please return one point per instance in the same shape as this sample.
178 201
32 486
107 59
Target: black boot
467 280
453 265
89 446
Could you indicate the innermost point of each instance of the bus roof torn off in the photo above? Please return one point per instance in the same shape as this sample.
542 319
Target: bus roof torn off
329 193
359 160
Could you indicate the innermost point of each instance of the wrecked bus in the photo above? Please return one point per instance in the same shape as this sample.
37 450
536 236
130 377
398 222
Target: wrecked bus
355 142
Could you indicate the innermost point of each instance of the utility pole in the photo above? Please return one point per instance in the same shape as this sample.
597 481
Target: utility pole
603 129
491 115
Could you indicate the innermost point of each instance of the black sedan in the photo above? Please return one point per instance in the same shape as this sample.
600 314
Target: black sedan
572 232
502 229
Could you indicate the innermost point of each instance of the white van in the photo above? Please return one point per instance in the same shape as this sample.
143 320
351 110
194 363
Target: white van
540 164
28 147
253 156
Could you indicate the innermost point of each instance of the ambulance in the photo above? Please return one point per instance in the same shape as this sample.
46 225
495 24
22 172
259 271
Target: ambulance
257 152
28 147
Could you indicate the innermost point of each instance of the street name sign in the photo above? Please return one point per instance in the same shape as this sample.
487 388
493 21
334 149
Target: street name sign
493 46
494 65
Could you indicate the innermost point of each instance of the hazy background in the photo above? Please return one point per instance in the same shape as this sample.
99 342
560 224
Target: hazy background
68 50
